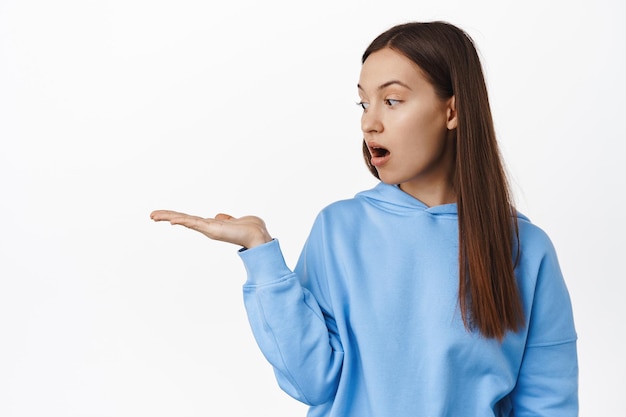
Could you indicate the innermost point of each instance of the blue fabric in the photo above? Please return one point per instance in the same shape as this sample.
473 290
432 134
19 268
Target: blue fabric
368 324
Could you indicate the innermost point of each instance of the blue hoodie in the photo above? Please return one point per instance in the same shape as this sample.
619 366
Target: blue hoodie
368 324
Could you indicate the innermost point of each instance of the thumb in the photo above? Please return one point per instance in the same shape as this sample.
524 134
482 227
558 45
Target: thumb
223 216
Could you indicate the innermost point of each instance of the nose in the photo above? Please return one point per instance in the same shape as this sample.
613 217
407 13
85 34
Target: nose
371 121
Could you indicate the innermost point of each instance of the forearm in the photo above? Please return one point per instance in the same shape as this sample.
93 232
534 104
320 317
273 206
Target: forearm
548 382
290 327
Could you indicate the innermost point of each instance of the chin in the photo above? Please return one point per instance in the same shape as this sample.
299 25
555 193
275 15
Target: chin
389 179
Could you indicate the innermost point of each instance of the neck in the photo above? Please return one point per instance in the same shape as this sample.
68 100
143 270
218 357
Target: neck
432 196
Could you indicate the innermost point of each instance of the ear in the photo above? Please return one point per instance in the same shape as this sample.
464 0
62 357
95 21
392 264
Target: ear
451 122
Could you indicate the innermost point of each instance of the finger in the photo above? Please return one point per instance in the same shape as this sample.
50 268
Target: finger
223 216
212 228
159 215
192 222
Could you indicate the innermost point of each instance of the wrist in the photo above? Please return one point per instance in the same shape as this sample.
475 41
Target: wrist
258 239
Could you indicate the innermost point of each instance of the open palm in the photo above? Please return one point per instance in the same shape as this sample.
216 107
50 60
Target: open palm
247 231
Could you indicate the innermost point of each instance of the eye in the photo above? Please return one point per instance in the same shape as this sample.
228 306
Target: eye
391 102
364 105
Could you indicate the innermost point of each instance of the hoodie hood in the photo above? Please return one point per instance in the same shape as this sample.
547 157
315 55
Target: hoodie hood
391 198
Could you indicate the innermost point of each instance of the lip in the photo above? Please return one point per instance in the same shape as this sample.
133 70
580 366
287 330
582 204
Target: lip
377 161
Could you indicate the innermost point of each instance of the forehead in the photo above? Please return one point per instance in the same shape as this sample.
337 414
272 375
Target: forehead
385 65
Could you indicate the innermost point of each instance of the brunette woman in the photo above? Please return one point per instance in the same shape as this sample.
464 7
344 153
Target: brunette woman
428 295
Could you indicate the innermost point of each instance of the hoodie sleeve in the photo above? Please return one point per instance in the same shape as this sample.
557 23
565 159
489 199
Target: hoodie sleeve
547 384
290 327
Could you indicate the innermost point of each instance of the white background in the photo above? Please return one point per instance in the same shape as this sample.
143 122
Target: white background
111 109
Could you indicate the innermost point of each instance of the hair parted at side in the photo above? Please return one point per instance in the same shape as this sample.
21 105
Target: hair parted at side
489 297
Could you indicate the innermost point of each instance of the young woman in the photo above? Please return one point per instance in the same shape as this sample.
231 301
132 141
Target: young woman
428 295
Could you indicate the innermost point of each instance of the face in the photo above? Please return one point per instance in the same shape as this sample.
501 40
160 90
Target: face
406 127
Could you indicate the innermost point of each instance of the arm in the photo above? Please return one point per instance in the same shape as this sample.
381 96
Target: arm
547 384
295 336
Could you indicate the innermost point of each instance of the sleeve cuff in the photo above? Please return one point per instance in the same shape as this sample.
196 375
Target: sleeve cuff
264 264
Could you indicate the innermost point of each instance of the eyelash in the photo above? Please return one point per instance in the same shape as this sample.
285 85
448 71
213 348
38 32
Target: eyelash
388 101
362 104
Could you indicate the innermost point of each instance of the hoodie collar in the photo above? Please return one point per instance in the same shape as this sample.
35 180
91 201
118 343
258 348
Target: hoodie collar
393 198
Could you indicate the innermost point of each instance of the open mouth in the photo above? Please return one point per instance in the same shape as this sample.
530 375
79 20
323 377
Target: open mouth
379 155
378 152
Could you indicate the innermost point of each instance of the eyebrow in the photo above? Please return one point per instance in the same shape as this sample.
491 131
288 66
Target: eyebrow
387 84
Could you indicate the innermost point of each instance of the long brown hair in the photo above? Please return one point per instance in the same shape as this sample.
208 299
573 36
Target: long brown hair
489 297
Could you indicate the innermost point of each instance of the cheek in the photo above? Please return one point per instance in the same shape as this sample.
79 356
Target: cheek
408 122
422 125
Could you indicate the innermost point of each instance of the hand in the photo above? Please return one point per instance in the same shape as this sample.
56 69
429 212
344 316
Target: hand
247 231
